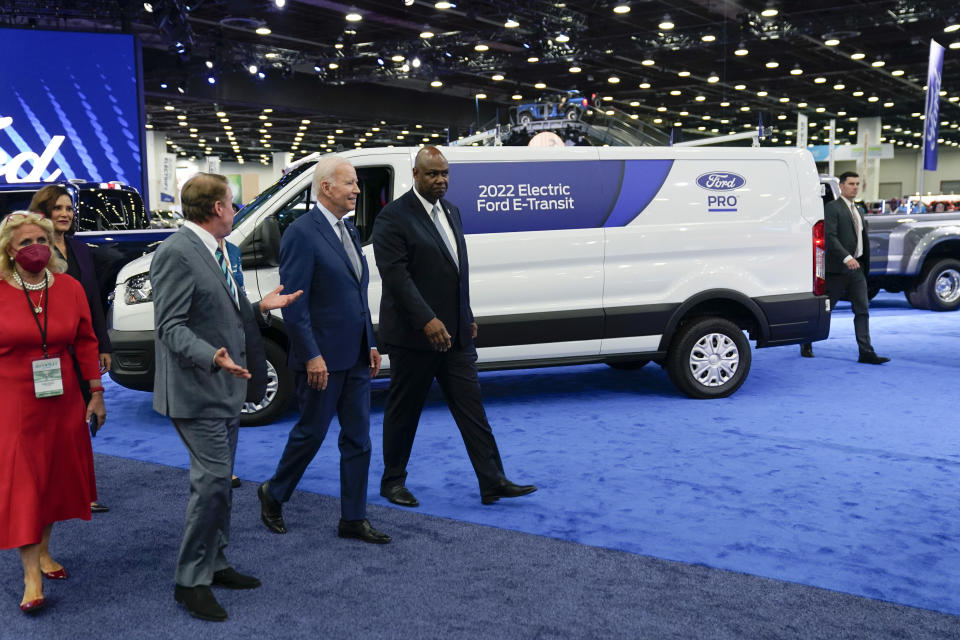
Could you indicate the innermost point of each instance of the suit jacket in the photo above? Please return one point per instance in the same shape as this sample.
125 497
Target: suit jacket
841 237
420 279
332 317
256 355
194 315
91 287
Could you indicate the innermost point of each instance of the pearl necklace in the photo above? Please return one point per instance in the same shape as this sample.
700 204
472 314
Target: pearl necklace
33 287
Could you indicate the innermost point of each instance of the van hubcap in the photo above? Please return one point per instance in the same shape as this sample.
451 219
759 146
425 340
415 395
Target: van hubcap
948 285
273 383
714 359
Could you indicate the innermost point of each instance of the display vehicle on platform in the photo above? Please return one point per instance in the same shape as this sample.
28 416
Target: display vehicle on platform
622 255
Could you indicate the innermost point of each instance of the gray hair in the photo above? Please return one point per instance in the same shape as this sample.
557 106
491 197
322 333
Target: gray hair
324 170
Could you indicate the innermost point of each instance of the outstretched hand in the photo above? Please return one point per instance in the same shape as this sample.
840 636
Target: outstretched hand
223 360
274 300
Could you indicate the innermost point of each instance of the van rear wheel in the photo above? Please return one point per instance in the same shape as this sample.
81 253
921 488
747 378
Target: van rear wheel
709 358
279 390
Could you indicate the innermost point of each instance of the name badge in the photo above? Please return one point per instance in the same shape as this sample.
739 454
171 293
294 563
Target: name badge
47 380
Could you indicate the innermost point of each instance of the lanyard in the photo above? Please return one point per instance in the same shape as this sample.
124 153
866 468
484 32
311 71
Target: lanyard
46 316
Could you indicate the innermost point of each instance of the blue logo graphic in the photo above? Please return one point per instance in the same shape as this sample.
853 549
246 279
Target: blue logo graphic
720 181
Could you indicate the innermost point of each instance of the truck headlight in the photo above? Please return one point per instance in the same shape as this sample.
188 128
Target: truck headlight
138 289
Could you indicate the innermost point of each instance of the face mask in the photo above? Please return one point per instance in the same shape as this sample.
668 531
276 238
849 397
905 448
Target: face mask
33 258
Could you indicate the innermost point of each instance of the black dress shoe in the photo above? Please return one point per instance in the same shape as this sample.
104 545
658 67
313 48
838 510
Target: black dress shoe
199 601
399 494
506 489
235 482
361 529
232 579
806 350
872 358
96 507
270 511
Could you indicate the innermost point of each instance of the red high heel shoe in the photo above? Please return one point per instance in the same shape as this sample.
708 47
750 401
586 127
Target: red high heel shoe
59 574
34 605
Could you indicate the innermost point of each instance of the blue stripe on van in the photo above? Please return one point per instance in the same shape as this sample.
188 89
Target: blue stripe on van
642 180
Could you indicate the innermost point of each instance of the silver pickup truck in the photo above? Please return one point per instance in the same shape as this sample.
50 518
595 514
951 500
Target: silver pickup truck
918 254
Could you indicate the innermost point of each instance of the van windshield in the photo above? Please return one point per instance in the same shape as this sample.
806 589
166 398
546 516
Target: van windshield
267 193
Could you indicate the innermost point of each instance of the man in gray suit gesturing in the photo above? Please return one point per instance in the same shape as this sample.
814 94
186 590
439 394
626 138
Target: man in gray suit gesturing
204 332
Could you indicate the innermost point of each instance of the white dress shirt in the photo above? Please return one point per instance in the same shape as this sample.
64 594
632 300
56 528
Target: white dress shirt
428 207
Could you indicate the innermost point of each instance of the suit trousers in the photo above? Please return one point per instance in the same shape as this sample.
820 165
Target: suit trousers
212 443
348 396
411 374
852 284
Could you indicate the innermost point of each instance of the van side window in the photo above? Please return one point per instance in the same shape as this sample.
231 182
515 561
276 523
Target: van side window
376 190
262 247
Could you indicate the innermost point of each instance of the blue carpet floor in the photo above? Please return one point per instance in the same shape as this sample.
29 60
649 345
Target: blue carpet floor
823 472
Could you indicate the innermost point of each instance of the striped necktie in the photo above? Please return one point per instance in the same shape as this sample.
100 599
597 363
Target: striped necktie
231 285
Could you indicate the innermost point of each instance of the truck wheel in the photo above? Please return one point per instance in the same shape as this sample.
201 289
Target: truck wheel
628 365
573 114
940 286
279 389
525 118
709 358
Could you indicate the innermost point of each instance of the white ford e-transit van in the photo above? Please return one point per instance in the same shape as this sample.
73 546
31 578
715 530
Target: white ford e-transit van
577 254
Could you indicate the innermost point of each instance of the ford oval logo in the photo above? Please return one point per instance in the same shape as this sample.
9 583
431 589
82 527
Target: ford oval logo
721 181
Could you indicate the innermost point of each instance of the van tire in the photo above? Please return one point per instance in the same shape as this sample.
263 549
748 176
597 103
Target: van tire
628 365
938 289
279 389
699 341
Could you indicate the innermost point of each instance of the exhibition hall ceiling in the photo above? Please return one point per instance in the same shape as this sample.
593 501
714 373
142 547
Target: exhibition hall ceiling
702 66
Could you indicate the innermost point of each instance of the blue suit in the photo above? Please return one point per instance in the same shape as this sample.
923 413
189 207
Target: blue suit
331 319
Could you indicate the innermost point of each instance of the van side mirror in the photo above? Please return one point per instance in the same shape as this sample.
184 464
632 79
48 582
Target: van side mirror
262 248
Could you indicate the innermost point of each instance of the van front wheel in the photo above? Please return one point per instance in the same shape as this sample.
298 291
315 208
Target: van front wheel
279 390
709 358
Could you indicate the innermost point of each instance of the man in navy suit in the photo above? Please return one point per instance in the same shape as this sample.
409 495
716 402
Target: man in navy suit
333 353
847 264
427 327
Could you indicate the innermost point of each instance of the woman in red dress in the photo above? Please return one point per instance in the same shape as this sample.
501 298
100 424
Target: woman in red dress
46 463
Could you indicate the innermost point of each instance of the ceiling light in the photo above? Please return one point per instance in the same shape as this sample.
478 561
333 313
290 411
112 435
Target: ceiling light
950 28
607 98
820 109
209 64
252 69
713 78
574 69
877 63
819 80
666 24
954 45
481 96
263 31
724 104
271 55
497 77
148 7
832 42
796 71
613 80
661 109
635 103
511 23
873 99
888 104
416 63
769 12
683 74
516 96
772 64
477 47
858 93
648 62
839 86
700 98
644 85
739 87
562 37
399 58
622 7
280 3
333 65
353 16
802 104
533 59
675 92
540 85
443 5
741 50
425 34
436 83
708 37
858 56
762 93
784 99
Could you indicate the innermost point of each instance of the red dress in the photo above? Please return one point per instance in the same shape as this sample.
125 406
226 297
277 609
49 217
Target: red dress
46 462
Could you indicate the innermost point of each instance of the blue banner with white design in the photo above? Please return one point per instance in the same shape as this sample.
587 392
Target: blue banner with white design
931 125
70 107
498 197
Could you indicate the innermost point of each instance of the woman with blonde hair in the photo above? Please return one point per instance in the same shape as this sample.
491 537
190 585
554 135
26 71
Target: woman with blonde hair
46 463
